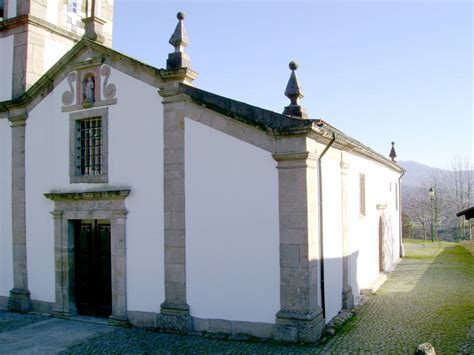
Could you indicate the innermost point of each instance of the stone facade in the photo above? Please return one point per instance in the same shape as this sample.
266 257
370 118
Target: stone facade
295 143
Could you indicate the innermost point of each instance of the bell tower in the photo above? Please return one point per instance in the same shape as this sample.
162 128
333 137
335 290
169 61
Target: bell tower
35 34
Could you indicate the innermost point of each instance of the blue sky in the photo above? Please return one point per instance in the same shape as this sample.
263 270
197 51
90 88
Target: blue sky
377 70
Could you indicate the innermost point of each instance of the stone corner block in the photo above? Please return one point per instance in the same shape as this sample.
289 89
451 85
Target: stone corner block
177 323
119 322
299 327
174 317
19 301
347 299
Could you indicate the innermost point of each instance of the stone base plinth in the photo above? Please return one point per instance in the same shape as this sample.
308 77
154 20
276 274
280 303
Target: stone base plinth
19 300
347 299
299 327
119 322
174 317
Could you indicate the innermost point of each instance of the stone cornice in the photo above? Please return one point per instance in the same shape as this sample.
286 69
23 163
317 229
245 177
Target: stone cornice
19 120
296 160
88 195
182 74
12 23
294 156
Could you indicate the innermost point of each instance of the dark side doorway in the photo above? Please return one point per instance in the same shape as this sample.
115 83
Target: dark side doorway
93 285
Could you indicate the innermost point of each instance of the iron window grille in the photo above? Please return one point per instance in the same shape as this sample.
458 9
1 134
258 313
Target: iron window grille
89 146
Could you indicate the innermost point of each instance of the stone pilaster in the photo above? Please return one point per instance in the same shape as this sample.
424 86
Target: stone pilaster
23 7
20 61
381 213
19 300
175 310
118 268
64 305
300 317
347 296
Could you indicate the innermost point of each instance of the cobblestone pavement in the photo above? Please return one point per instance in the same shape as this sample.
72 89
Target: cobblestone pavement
428 298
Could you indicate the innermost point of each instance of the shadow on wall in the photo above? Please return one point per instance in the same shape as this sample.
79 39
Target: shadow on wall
334 288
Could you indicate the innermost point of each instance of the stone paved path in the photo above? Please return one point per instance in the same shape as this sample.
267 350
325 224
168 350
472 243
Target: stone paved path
429 298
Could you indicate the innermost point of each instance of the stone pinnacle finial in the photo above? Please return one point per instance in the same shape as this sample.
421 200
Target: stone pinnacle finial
179 40
93 25
294 92
393 154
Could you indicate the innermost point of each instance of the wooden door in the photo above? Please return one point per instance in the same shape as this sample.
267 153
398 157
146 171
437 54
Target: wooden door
93 288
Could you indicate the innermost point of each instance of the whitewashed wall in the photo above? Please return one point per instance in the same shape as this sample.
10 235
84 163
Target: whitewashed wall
6 68
332 207
364 230
6 262
135 160
232 227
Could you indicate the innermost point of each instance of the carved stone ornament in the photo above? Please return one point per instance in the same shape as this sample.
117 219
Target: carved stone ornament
89 86
108 90
68 96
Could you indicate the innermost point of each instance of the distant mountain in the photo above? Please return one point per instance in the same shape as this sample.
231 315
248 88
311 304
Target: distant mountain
417 173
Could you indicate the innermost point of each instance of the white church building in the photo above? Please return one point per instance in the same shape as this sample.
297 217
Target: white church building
128 193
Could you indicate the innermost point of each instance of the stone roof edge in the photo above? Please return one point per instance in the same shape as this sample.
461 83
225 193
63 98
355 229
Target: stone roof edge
325 130
279 124
266 120
43 86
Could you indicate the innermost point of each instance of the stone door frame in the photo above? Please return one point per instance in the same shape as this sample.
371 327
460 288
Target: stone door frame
70 206
381 236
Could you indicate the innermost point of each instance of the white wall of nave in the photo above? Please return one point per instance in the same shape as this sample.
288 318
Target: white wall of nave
232 227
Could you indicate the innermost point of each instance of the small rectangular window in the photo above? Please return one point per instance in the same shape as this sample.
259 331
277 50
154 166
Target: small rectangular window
89 146
362 194
396 197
